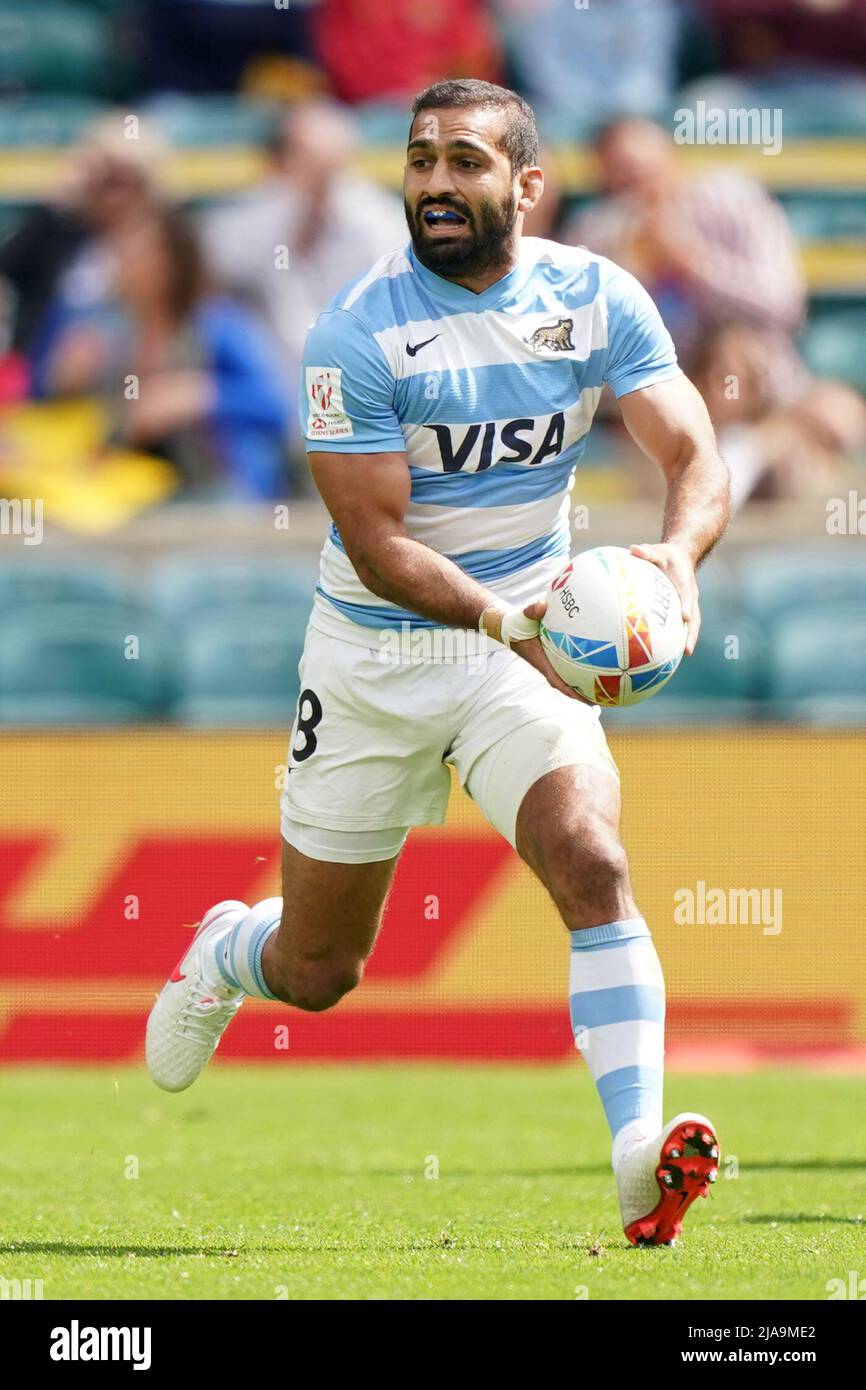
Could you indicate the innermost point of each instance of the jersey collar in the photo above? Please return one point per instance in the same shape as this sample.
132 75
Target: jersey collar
460 297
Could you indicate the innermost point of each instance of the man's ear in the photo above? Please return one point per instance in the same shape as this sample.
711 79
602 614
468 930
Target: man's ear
530 190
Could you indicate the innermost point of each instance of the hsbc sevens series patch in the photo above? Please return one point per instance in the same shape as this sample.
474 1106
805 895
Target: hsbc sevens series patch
326 418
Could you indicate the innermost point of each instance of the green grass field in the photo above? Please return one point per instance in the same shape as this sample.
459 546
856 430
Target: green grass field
311 1183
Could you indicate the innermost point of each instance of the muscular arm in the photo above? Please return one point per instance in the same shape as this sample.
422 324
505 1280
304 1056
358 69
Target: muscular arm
670 424
367 495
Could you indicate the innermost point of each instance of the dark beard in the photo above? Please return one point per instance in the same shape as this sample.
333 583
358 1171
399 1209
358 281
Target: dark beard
489 245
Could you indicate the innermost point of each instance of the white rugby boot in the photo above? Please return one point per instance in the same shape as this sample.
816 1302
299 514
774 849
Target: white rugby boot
658 1179
193 1010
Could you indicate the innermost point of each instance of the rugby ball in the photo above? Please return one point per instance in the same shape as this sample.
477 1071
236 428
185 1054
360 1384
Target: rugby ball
613 628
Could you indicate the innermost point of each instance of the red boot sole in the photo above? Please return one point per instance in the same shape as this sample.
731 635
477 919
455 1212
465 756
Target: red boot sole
688 1167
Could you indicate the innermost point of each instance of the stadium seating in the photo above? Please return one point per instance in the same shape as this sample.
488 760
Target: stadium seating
826 215
775 582
236 626
74 664
239 667
833 344
188 586
53 46
220 643
817 664
47 121
60 583
207 121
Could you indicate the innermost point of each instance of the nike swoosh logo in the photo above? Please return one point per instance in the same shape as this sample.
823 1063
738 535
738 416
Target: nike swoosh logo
175 977
418 346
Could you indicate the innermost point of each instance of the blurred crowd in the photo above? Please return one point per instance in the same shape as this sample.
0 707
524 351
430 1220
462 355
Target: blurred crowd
187 323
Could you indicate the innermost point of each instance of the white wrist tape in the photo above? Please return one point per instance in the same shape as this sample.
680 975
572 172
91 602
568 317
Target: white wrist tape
516 627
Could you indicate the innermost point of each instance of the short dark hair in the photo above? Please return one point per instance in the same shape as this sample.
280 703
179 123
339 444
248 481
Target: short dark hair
520 137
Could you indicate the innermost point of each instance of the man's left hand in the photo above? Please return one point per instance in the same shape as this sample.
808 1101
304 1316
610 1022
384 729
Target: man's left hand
677 564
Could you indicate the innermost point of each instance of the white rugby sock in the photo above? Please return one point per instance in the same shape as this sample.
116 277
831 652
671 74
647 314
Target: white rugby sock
617 1005
237 954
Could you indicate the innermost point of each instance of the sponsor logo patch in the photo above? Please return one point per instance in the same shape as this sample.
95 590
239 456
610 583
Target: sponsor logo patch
326 418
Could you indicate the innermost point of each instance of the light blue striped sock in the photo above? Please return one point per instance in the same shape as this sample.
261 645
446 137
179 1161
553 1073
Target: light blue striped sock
617 1005
238 954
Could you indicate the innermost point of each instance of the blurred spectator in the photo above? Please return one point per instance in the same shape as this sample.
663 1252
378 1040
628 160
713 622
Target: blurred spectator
736 377
711 248
795 449
203 377
387 50
332 223
582 64
781 35
60 253
806 450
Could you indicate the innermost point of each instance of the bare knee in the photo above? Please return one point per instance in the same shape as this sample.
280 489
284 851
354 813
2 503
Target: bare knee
586 869
318 984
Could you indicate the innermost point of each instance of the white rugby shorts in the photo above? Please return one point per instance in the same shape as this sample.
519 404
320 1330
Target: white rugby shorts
373 738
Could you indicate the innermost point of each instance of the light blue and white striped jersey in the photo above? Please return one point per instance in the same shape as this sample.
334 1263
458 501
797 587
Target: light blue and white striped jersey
489 395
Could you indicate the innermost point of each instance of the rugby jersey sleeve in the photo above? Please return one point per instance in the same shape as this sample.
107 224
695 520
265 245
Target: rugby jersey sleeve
347 389
640 350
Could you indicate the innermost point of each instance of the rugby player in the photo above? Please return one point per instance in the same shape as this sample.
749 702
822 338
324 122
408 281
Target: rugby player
446 397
